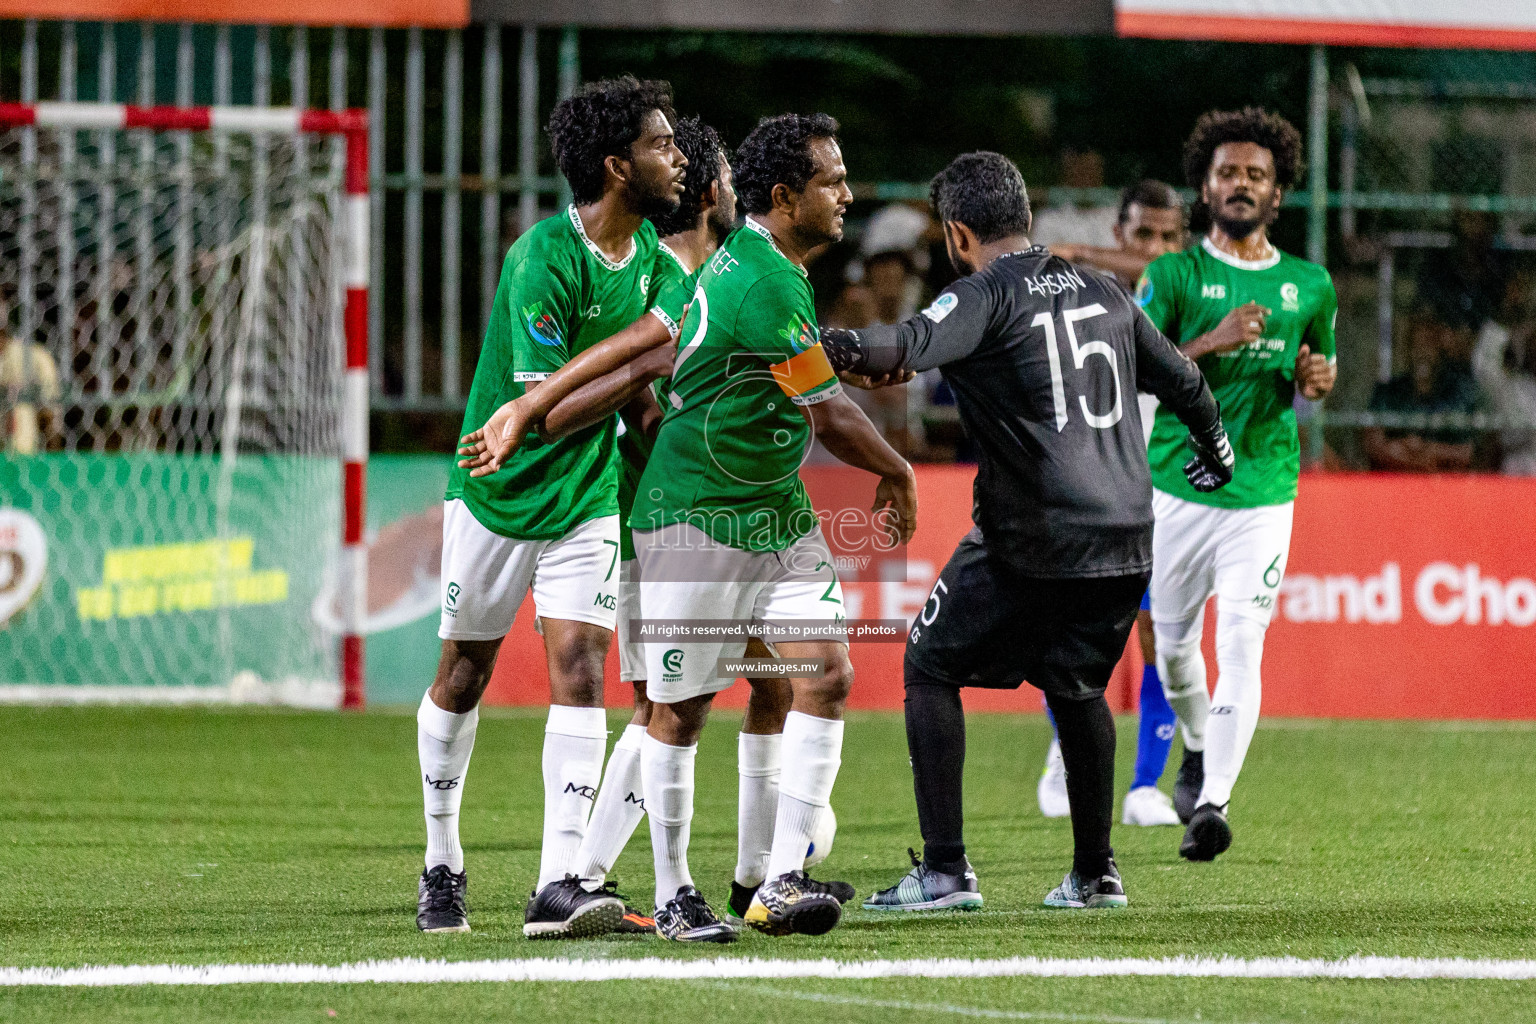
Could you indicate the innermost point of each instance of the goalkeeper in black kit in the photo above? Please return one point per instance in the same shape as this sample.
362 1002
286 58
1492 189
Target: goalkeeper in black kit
1045 359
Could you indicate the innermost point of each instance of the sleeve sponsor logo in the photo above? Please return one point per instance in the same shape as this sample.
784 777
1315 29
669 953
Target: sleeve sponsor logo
542 327
1144 291
799 334
942 307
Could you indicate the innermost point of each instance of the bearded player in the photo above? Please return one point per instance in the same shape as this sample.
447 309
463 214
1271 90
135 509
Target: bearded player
1232 543
577 395
548 519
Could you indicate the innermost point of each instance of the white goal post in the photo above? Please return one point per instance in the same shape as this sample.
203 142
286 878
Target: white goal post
184 390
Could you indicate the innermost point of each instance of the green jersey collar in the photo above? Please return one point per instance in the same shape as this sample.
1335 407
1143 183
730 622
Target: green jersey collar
1232 261
768 235
592 246
675 257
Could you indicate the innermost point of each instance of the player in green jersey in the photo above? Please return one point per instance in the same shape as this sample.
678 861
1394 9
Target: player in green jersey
724 530
1232 543
548 519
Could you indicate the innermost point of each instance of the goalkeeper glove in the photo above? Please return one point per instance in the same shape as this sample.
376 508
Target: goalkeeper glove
1211 468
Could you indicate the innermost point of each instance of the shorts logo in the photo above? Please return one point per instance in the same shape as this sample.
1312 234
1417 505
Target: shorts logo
542 327
1290 298
942 306
672 663
451 601
607 601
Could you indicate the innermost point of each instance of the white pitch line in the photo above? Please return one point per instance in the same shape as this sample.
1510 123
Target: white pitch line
953 1009
552 969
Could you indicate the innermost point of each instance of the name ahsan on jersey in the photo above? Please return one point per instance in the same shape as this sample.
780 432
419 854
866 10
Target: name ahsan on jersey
1053 284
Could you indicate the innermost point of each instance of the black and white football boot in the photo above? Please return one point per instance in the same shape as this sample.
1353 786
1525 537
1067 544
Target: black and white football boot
563 909
687 917
1077 893
796 904
1187 786
440 900
923 888
1208 833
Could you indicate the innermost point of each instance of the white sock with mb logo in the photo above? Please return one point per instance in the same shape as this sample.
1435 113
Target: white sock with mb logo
444 741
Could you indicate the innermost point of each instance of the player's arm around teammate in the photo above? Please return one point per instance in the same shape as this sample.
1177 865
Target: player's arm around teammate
549 520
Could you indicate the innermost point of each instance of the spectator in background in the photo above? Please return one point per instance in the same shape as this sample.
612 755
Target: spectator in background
1504 365
1435 382
885 286
1153 220
1467 281
29 391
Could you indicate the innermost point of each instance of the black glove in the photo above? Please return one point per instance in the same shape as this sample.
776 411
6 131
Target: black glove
842 348
1211 468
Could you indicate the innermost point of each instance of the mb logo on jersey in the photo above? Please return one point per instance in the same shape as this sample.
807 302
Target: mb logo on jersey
799 334
541 326
1213 291
1290 298
672 663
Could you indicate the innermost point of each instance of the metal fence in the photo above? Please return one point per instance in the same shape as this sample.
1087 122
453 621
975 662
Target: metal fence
457 154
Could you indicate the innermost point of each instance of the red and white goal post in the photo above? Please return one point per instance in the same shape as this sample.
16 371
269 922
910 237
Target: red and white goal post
198 278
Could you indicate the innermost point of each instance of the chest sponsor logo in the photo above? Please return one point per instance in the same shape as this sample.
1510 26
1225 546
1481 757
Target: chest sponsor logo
799 334
942 307
542 327
1290 298
645 283
1213 291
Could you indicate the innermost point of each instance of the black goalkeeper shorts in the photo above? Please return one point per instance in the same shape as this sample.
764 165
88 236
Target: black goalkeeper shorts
985 625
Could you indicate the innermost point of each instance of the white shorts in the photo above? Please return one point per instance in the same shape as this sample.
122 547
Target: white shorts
1238 554
486 575
687 575
631 652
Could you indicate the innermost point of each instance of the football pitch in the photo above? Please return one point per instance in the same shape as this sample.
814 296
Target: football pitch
216 837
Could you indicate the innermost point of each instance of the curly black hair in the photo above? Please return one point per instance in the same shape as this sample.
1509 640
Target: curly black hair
1251 124
600 121
985 192
778 152
701 145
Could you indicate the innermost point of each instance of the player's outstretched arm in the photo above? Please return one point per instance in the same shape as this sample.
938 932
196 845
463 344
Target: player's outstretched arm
1164 371
949 329
485 450
596 401
847 433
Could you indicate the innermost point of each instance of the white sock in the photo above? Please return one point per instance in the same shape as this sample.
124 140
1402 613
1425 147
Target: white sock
1182 668
618 809
667 772
443 743
812 752
574 741
757 803
1235 706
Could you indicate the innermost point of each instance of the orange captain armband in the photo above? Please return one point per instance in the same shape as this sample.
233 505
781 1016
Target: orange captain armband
807 378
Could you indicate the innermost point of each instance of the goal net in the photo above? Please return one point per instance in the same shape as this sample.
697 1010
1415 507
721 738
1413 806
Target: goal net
172 384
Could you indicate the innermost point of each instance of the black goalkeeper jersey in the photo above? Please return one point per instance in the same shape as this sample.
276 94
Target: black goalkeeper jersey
1045 359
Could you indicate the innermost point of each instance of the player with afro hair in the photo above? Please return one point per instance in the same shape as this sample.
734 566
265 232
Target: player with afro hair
778 152
605 120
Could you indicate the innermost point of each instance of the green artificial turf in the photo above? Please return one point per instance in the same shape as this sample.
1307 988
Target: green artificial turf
198 836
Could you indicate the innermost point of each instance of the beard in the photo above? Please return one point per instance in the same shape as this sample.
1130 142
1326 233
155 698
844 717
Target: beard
718 225
1238 225
657 198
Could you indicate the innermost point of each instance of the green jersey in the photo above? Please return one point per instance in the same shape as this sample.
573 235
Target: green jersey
668 297
1186 294
731 443
559 295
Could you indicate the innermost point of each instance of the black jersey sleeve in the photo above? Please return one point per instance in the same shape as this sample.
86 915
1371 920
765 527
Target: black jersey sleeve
1164 371
949 329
